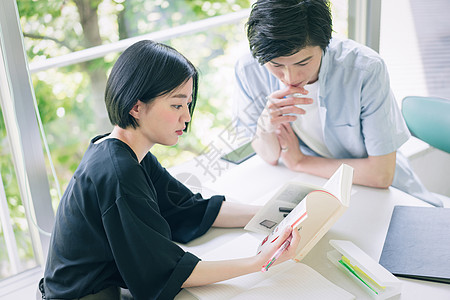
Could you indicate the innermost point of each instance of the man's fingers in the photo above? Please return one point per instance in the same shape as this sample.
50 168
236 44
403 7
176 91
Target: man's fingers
289 129
284 110
288 91
282 132
300 101
287 110
283 119
290 101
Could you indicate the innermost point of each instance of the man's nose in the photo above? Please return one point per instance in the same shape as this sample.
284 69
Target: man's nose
289 76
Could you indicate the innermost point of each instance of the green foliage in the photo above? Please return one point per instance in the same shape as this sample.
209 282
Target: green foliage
68 111
66 97
38 9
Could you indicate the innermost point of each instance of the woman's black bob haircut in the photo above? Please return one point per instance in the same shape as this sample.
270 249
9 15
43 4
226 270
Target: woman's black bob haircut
144 71
283 27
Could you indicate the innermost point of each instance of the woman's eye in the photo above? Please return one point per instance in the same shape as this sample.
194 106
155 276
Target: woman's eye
177 106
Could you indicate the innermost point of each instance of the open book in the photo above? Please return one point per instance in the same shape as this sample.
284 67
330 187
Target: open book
285 281
322 205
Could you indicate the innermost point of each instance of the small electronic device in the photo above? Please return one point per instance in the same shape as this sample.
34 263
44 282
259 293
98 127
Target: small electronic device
240 154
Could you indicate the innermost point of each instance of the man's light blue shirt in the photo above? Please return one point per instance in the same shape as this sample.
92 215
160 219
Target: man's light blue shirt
358 111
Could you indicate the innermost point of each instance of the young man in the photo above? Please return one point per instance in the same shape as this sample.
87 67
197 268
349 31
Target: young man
317 102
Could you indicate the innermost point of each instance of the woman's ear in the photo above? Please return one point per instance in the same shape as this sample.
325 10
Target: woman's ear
134 112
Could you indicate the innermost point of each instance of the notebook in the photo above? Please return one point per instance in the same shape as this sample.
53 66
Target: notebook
417 243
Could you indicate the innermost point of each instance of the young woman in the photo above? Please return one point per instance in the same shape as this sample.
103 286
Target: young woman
122 211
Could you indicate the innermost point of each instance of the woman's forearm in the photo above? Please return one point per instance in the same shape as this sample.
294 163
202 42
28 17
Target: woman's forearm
233 214
207 272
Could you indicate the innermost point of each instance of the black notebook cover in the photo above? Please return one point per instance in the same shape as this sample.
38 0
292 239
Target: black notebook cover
417 244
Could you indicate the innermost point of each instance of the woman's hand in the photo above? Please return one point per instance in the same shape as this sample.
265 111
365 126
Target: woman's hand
207 272
270 247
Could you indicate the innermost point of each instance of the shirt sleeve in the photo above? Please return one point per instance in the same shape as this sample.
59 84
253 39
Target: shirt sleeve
382 124
253 83
152 266
188 215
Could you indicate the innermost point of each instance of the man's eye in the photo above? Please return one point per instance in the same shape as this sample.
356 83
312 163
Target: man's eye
177 106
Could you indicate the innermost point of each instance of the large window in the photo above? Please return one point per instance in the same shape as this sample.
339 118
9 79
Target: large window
414 41
16 247
70 98
71 46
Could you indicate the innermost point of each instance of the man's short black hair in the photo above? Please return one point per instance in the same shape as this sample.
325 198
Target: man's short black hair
144 71
283 27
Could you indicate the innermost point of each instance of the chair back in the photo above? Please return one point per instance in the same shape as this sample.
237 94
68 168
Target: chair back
428 118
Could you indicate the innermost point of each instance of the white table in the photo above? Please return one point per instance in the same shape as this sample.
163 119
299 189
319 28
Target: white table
365 223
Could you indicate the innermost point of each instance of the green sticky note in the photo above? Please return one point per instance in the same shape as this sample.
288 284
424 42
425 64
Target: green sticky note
348 267
363 274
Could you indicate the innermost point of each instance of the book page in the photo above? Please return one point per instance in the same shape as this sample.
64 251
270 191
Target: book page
296 281
268 217
289 196
340 184
294 192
